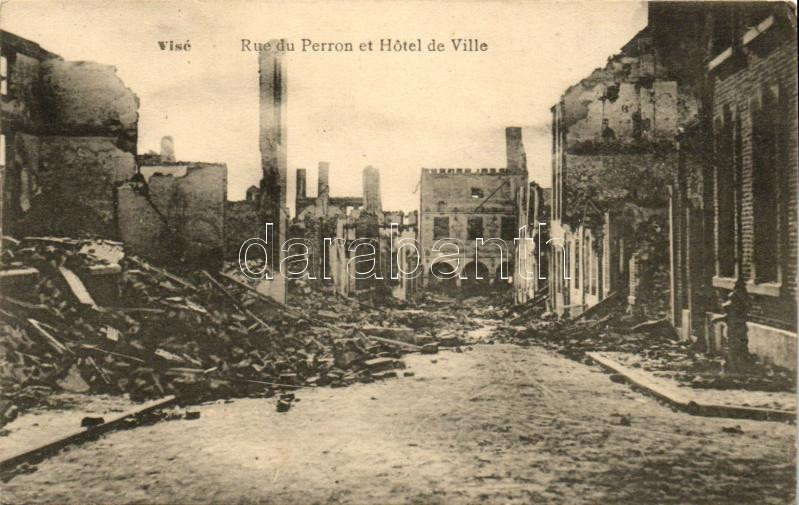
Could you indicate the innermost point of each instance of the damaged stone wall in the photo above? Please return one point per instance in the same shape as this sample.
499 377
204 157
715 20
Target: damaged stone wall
86 98
177 219
71 133
377 229
67 184
314 230
632 98
242 222
615 152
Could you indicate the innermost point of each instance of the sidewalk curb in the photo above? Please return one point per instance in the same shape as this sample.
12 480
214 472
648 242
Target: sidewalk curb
687 403
49 448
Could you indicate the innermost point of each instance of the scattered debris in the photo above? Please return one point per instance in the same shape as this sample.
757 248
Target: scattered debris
735 430
89 421
284 402
652 340
96 319
660 327
431 348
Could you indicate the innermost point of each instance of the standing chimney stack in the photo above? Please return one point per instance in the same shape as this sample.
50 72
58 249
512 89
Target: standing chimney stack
324 179
514 148
272 144
371 190
301 184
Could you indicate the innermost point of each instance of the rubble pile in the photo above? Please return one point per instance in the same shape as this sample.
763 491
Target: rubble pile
428 319
93 319
653 342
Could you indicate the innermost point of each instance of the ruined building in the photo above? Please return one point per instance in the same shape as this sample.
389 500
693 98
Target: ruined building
613 155
272 140
531 255
360 228
174 213
351 218
271 193
688 137
355 221
467 204
242 222
324 205
69 133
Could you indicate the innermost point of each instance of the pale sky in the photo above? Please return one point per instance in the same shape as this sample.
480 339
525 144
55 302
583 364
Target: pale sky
396 111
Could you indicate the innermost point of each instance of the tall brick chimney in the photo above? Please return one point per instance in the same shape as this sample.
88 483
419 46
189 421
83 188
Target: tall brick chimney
324 179
272 143
514 148
301 184
371 190
272 135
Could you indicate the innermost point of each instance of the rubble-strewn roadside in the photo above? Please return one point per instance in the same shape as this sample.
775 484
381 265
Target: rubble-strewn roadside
652 342
146 332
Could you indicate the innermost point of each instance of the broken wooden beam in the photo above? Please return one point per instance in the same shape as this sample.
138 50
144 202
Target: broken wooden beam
77 287
163 272
26 305
51 340
392 342
285 309
235 300
48 448
112 353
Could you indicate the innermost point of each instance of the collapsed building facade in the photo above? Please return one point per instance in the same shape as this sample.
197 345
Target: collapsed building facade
174 212
324 205
531 254
361 224
69 134
462 204
613 153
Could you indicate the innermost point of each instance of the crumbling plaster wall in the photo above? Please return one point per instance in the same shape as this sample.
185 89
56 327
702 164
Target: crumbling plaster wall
629 110
87 98
67 184
241 223
631 98
71 128
184 216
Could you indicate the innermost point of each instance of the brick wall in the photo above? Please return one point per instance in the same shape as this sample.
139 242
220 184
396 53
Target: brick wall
765 62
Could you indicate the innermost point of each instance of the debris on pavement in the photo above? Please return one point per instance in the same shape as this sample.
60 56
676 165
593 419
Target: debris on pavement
98 320
652 342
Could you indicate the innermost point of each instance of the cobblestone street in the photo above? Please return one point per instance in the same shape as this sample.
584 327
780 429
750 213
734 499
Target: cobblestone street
497 424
